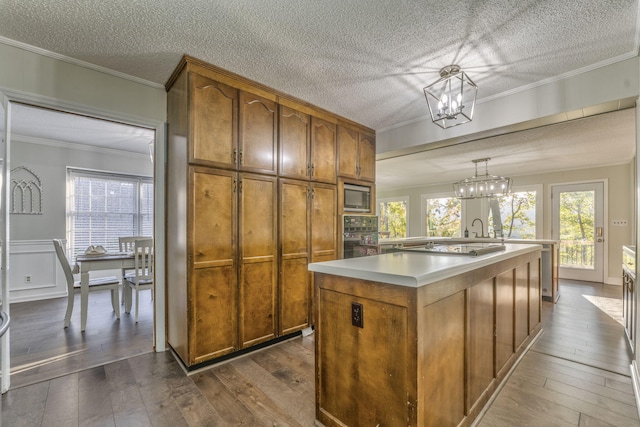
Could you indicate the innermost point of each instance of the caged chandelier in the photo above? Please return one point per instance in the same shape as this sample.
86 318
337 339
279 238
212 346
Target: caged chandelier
482 186
451 98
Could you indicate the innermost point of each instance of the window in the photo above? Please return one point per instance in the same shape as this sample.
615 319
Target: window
393 216
518 215
103 206
441 216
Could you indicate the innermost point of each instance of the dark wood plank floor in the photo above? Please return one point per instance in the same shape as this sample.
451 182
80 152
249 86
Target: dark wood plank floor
41 349
578 386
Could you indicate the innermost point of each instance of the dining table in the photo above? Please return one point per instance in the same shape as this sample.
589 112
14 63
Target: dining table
106 261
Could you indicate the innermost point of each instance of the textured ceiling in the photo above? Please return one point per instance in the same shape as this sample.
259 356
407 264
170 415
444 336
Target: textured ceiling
365 60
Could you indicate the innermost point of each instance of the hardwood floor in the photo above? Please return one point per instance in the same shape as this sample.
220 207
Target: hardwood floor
41 349
577 373
574 375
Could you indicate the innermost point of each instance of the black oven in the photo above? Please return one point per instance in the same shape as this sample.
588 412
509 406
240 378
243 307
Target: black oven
359 235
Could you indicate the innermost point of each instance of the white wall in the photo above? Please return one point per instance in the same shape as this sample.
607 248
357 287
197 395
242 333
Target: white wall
49 162
619 205
59 81
32 253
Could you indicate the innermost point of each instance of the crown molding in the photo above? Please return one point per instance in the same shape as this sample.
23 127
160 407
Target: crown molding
76 146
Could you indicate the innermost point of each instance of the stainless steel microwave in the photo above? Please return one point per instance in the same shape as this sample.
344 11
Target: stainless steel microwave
357 198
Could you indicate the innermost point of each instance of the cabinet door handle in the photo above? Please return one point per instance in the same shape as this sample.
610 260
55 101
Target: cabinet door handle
312 169
234 156
240 157
313 193
240 187
235 183
308 169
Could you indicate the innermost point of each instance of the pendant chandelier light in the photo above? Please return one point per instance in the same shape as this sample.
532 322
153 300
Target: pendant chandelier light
451 98
482 186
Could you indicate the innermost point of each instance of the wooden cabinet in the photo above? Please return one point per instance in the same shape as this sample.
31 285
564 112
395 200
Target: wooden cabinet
307 234
257 134
239 237
356 154
212 272
307 147
214 122
323 151
295 253
481 336
422 356
629 306
232 287
294 143
231 129
535 294
367 157
257 258
324 220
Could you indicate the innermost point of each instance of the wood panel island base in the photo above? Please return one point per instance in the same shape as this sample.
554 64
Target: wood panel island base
411 339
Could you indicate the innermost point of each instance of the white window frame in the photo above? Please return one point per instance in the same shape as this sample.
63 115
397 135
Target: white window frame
538 188
88 173
423 209
394 199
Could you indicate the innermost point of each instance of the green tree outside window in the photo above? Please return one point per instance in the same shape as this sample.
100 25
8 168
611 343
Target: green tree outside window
393 218
443 217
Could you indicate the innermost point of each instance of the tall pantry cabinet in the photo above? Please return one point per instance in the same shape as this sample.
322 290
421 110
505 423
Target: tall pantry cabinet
251 200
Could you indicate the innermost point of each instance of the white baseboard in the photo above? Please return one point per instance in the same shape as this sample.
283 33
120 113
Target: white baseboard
614 281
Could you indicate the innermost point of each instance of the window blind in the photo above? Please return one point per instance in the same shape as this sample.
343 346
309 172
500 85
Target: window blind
103 206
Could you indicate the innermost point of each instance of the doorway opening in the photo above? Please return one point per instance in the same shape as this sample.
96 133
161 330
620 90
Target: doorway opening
49 142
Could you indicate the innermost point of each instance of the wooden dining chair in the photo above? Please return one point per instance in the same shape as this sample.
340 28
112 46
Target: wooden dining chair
73 286
142 276
126 244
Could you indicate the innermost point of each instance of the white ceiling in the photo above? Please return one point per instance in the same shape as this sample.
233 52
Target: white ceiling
602 140
365 60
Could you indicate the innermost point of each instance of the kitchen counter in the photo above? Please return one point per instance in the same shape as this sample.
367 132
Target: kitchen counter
424 239
421 339
415 269
550 255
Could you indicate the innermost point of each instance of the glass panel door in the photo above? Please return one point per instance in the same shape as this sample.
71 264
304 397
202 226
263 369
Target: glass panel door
578 226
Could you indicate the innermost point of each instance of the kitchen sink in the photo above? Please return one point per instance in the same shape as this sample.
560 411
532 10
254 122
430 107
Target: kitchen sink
468 249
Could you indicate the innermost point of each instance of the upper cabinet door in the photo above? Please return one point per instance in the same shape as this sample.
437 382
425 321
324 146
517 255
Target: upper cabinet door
367 157
323 151
214 122
294 143
347 152
257 147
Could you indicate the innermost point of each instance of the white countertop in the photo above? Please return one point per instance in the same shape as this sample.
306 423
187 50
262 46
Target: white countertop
415 269
398 240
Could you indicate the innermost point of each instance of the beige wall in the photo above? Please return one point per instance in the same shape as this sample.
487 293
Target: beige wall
618 205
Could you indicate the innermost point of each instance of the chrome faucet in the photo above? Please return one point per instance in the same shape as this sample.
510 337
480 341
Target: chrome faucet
481 227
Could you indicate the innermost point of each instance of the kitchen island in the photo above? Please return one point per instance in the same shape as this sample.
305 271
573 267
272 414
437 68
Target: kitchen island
415 339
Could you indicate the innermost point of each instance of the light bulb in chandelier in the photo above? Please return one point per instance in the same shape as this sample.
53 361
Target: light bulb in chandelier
482 185
451 99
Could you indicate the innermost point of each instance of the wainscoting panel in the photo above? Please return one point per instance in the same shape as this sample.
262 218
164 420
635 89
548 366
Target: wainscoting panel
34 271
